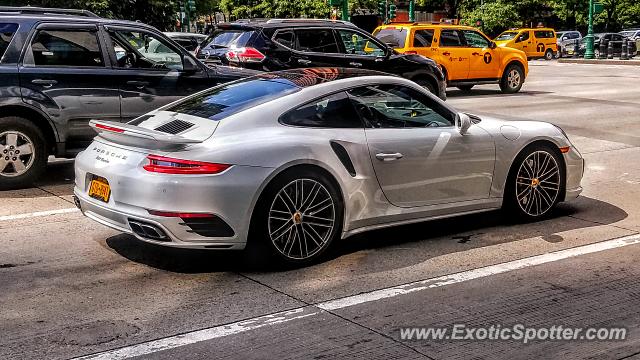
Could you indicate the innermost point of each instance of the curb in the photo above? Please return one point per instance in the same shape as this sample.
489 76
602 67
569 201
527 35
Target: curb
599 62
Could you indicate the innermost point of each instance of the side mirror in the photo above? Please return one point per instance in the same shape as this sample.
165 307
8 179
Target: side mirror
493 45
189 65
463 123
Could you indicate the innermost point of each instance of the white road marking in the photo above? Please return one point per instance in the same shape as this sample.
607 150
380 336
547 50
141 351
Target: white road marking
38 214
172 342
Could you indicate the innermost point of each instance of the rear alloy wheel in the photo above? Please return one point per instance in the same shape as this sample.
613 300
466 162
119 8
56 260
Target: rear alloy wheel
536 184
548 55
22 153
300 215
512 79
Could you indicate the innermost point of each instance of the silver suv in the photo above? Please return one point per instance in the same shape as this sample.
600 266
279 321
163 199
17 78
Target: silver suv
566 40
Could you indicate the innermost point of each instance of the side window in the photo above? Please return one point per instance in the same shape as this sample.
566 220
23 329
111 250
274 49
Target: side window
617 37
316 40
66 48
523 37
357 44
142 50
542 34
475 40
333 111
284 38
6 34
450 38
423 38
396 106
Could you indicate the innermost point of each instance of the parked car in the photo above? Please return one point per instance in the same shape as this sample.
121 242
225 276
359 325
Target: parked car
279 44
566 41
466 55
189 41
536 43
61 68
616 42
289 162
631 34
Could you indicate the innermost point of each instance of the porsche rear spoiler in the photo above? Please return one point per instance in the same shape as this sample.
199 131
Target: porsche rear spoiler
127 133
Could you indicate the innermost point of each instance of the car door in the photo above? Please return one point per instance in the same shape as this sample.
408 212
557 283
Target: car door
65 73
150 70
616 43
524 42
418 155
315 47
484 62
453 54
360 50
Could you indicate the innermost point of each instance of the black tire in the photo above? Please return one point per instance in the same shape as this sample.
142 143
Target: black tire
427 85
465 88
506 85
35 163
517 205
548 55
260 235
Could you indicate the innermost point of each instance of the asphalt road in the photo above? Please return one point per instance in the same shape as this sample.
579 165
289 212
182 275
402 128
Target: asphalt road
71 287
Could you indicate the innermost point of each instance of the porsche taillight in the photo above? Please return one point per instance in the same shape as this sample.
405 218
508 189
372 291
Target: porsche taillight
167 165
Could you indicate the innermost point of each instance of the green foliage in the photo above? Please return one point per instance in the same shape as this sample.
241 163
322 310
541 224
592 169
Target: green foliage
496 16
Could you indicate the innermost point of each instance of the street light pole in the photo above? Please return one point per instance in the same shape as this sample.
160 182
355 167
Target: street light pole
412 15
588 53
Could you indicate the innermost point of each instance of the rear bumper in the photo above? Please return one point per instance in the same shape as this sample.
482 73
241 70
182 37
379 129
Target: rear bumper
175 234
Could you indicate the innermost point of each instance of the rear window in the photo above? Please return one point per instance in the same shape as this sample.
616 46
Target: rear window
229 99
224 38
6 34
393 37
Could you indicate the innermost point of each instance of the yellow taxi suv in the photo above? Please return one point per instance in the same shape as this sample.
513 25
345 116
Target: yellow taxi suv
466 55
536 43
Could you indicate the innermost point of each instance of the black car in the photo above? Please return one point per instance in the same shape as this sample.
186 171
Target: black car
616 42
278 44
61 68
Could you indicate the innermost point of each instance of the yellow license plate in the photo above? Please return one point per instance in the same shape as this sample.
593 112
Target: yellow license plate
100 189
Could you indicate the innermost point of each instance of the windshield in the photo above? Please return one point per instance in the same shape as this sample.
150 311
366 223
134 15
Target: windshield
223 101
220 38
393 37
627 33
559 35
507 35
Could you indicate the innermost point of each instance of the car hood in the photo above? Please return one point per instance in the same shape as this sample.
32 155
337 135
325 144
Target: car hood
512 129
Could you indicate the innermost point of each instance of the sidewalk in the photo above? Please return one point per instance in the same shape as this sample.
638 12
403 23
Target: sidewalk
635 61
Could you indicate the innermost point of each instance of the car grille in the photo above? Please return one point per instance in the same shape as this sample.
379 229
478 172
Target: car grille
174 127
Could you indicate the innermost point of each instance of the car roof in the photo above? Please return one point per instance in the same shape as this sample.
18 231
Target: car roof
184 34
425 25
278 23
20 14
307 77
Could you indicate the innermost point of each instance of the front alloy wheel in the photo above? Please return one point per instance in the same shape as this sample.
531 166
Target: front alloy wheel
535 184
512 79
301 219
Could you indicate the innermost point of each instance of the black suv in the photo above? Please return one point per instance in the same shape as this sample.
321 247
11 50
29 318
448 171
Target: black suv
61 68
279 44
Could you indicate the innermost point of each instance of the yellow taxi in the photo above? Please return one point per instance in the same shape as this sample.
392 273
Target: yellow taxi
536 43
466 55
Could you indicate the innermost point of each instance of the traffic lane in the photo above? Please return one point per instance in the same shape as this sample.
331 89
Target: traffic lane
602 294
65 291
583 99
595 290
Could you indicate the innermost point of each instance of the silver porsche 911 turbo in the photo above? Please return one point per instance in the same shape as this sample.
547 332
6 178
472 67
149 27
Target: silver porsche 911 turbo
291 161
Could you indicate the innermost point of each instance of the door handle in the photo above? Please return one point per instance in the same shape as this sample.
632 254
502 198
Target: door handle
446 53
389 157
44 82
138 84
304 61
355 64
476 53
